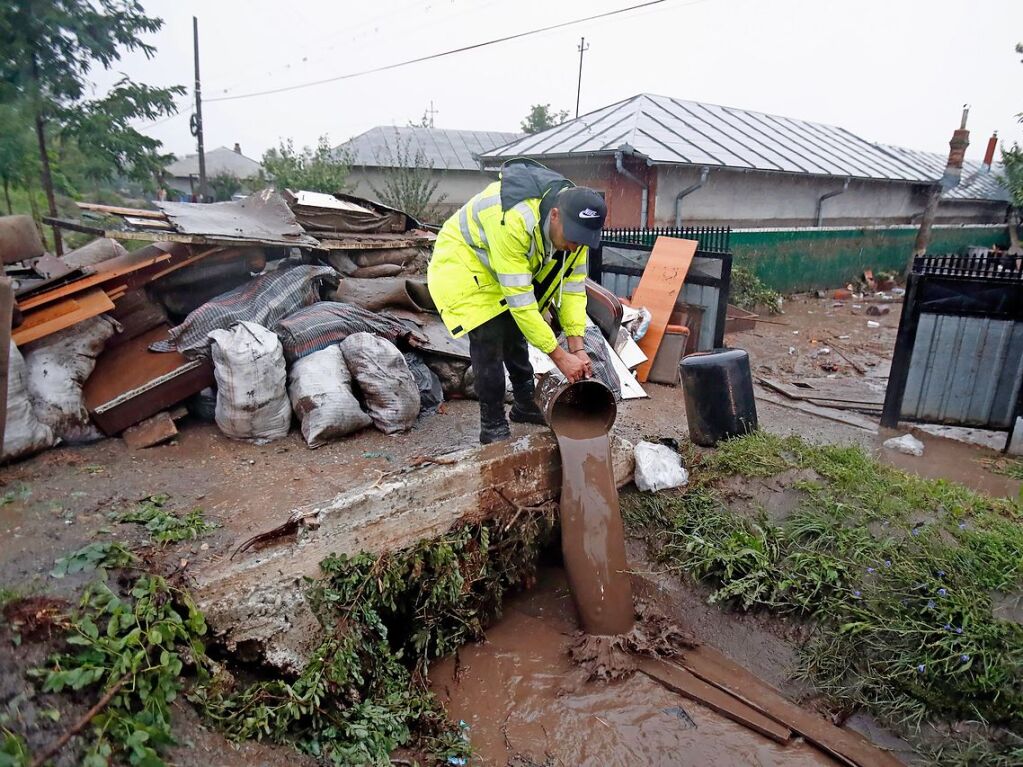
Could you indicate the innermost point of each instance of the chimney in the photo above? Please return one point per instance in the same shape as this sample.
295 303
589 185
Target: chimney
956 153
238 148
989 155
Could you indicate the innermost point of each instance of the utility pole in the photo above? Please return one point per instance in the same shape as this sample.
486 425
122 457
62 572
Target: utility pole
431 111
583 47
197 117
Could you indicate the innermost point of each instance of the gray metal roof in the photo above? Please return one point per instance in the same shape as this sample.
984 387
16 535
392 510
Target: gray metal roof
975 184
440 148
673 131
219 160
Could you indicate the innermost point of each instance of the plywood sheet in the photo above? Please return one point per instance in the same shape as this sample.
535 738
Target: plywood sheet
658 291
58 316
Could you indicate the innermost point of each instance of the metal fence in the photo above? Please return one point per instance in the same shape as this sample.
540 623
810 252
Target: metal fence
712 239
959 351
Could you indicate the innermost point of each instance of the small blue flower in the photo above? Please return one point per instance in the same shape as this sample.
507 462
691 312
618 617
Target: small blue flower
888 563
962 525
964 657
870 570
930 604
921 668
916 531
959 630
857 594
941 573
942 592
948 627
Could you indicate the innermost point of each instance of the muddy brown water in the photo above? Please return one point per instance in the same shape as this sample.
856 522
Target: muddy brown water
592 533
527 703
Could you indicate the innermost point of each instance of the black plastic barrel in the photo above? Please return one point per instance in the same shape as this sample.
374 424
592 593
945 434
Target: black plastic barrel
718 388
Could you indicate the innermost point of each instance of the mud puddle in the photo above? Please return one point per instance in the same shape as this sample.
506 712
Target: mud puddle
527 703
951 460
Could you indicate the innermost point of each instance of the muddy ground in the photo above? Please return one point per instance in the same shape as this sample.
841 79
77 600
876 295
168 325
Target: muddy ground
57 502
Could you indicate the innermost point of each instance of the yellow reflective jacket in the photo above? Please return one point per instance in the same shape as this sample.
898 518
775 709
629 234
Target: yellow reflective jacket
492 256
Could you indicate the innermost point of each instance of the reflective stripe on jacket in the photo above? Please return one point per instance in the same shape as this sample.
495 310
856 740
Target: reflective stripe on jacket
488 260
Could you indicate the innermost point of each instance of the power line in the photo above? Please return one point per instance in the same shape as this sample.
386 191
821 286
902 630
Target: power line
432 56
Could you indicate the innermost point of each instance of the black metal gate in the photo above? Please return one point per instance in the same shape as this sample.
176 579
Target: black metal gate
959 350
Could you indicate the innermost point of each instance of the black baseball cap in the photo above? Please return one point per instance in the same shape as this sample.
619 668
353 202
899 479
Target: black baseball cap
582 215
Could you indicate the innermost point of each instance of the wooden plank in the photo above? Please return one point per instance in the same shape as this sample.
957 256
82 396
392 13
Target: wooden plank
118 234
122 267
6 311
118 211
149 223
658 291
816 390
848 747
839 416
686 683
150 432
90 304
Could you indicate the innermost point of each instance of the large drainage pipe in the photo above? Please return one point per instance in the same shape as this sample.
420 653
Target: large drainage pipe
592 533
827 196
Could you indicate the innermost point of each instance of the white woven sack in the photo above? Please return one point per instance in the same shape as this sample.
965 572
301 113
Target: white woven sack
320 388
57 367
252 399
390 393
24 434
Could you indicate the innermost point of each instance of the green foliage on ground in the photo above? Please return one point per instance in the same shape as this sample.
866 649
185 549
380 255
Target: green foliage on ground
101 555
137 644
365 692
749 293
165 527
897 572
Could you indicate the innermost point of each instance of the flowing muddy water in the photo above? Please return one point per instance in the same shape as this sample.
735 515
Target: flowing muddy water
526 703
592 533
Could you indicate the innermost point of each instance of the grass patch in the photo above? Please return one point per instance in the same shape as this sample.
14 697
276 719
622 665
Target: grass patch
165 527
1006 467
896 570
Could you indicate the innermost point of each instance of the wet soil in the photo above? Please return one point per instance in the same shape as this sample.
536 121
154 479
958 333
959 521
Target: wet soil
526 703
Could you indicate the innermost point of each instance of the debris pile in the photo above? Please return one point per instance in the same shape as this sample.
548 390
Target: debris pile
223 313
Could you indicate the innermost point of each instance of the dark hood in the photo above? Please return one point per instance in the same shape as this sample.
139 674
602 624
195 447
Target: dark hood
523 179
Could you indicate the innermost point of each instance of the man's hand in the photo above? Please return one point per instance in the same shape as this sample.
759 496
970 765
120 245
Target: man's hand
573 368
585 359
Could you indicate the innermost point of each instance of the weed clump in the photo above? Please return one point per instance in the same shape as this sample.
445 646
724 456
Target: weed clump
897 571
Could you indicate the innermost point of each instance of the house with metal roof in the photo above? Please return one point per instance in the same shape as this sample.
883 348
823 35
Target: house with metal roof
662 161
183 173
450 156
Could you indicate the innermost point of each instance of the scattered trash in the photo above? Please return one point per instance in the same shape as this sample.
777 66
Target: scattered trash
658 467
906 444
872 324
878 311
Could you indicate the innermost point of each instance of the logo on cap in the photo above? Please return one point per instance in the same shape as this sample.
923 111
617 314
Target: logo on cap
588 213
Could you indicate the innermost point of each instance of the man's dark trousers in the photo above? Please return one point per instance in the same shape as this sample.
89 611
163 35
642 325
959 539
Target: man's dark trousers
493 346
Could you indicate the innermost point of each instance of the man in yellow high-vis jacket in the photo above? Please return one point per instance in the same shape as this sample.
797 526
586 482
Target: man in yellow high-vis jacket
514 251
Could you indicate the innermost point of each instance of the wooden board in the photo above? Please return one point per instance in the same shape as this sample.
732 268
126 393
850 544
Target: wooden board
721 701
839 416
55 318
818 390
6 310
658 291
717 670
118 211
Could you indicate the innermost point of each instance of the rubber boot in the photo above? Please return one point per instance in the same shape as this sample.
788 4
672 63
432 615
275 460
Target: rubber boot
493 424
524 409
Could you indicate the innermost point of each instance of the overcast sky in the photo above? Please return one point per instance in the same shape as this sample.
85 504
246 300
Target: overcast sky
895 71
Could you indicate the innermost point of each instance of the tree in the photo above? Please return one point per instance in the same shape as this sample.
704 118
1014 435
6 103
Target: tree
49 50
540 118
409 184
1011 178
318 169
16 147
224 185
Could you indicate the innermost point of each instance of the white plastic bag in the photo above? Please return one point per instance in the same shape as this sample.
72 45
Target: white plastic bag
24 434
906 444
390 393
252 400
57 367
320 387
658 467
